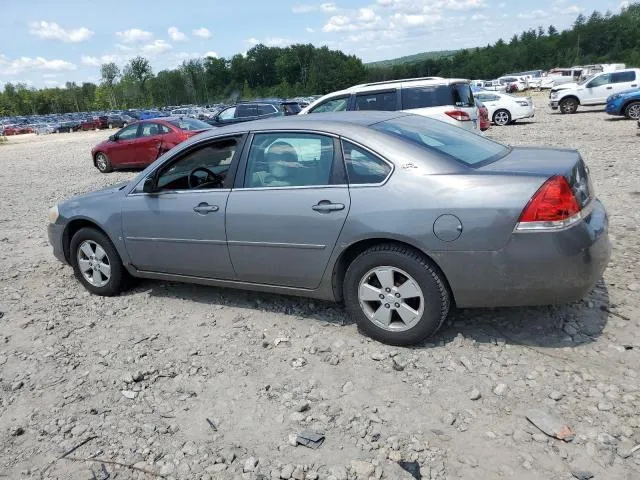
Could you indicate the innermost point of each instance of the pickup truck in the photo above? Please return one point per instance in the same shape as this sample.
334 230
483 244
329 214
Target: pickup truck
594 90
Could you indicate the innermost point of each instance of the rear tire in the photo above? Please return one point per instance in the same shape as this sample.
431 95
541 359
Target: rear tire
569 105
103 163
96 263
502 117
395 294
632 112
110 126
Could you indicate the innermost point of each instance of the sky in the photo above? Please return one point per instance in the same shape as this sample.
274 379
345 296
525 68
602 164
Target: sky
46 43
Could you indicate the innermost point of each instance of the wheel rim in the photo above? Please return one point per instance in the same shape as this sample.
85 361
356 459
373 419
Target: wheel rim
391 298
634 111
94 263
568 106
110 125
502 118
101 162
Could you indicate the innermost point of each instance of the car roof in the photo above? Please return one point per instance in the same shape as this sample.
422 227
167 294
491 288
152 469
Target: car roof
337 123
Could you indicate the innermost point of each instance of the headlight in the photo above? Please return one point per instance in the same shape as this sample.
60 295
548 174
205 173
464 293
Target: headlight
554 95
53 214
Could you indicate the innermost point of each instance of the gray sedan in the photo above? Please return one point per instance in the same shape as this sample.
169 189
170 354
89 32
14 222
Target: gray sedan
397 215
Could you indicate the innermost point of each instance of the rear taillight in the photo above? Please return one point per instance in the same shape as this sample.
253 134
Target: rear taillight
552 207
459 115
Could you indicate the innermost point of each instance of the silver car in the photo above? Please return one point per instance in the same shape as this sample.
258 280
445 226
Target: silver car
397 215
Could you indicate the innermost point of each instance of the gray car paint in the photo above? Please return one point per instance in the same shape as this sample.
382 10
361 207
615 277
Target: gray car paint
283 246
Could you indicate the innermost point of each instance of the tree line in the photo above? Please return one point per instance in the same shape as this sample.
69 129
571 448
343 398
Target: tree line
304 69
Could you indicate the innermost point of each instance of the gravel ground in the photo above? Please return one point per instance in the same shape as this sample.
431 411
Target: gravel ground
134 380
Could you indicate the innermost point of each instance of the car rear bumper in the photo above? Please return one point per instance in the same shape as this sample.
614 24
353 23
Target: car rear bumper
541 268
55 233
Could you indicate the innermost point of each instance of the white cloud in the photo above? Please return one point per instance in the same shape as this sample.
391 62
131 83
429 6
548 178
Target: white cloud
309 30
90 61
51 83
134 35
176 35
569 10
53 31
211 53
536 14
202 32
269 42
156 47
27 64
303 8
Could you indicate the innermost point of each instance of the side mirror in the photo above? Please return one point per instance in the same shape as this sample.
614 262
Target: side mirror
149 185
113 138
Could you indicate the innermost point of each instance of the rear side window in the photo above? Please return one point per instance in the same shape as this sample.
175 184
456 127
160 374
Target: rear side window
187 123
457 143
623 77
291 108
332 105
600 80
424 97
363 167
377 101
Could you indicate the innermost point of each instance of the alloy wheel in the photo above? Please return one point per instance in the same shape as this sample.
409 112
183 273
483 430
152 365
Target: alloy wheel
391 298
101 162
634 111
502 118
94 263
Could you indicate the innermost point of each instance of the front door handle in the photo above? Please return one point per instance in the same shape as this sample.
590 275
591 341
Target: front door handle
634 84
609 88
204 208
325 206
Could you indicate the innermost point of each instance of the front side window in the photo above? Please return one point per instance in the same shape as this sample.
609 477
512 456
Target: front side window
439 137
245 111
363 167
332 105
377 101
599 81
128 133
289 160
227 114
205 167
623 77
266 109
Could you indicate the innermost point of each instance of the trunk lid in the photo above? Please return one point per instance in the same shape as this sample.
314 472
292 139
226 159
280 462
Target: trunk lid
547 162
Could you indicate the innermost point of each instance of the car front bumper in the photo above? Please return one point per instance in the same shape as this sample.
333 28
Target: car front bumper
56 235
534 268
613 109
553 104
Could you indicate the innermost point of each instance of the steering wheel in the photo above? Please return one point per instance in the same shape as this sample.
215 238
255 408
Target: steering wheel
212 179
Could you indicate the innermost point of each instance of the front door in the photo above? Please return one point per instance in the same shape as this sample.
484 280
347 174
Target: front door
597 90
284 221
149 142
122 150
180 228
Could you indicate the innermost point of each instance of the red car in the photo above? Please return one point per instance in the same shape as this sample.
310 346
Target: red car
95 123
139 144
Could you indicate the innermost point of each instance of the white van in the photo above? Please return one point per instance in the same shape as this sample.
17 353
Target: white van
445 99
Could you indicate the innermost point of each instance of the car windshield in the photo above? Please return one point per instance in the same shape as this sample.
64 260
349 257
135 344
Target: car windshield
455 142
187 123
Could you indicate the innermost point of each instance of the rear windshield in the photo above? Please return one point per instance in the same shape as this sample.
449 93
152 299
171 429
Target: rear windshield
455 142
187 123
291 108
457 94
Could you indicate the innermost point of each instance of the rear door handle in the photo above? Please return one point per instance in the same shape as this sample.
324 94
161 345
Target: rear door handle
634 84
325 206
204 208
609 88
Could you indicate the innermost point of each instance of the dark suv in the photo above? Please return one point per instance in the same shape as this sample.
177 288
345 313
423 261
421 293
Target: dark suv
255 110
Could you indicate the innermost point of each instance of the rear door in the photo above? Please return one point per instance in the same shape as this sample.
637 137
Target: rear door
621 81
289 207
385 100
441 102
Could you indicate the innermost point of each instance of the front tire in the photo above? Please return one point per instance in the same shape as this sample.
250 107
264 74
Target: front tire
569 105
96 263
632 112
502 117
103 163
395 294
